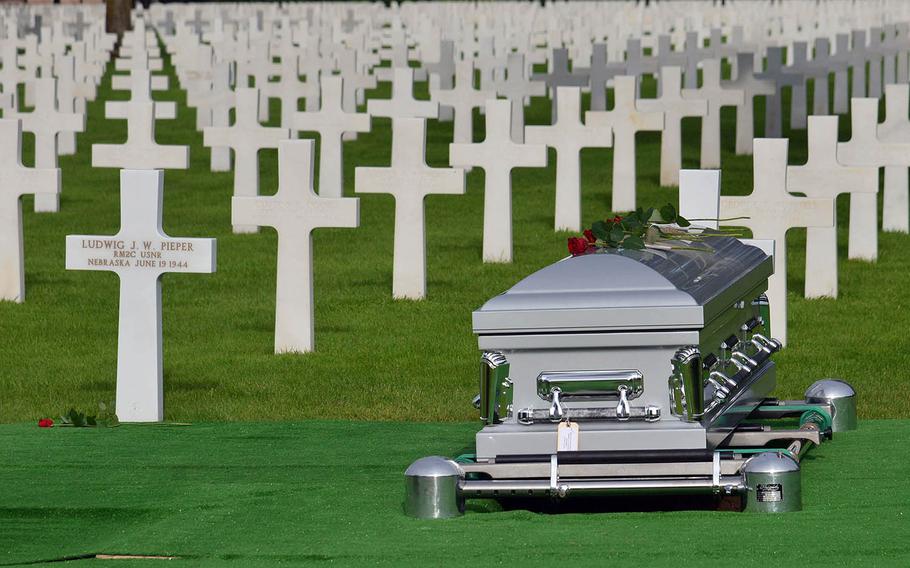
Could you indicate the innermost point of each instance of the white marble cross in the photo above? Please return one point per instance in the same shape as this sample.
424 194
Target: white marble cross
866 148
902 63
695 52
667 56
823 177
442 73
770 211
874 51
15 181
498 155
717 97
675 104
140 151
857 58
139 61
896 129
70 93
357 80
33 61
560 76
775 73
45 122
409 180
295 211
637 63
126 82
398 57
256 63
331 121
290 89
842 58
602 72
517 88
801 68
218 103
445 67
79 26
891 46
402 104
625 119
11 76
568 135
489 62
823 65
751 87
463 98
140 84
139 254
245 137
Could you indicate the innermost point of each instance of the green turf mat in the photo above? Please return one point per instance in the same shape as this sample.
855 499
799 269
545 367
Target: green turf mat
261 494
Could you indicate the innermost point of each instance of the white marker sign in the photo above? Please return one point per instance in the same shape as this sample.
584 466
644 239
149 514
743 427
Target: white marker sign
140 253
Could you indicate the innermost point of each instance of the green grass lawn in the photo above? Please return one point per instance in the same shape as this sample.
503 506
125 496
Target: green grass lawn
330 493
376 358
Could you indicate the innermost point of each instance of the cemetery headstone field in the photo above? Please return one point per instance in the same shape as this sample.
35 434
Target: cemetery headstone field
377 359
310 345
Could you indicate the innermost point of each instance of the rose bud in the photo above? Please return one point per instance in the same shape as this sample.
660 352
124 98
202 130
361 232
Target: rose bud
577 246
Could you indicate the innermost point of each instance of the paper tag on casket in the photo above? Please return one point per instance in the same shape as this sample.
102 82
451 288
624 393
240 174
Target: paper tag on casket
567 437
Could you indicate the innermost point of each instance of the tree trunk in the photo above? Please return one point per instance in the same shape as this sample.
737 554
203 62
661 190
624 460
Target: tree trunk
118 16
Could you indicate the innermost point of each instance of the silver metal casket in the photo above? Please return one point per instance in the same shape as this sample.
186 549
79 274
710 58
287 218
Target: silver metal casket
629 371
596 338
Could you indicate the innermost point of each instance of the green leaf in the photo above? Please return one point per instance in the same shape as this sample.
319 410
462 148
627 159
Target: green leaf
633 242
668 212
599 228
646 216
616 234
682 221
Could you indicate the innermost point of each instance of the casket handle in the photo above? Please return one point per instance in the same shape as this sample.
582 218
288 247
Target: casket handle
591 385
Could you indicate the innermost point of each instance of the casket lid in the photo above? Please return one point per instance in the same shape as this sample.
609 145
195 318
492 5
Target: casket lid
629 290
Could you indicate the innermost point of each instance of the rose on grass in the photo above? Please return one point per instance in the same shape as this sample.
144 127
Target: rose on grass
578 246
589 236
45 423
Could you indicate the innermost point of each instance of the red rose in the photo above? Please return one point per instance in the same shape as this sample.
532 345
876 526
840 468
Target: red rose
617 219
589 235
577 246
45 423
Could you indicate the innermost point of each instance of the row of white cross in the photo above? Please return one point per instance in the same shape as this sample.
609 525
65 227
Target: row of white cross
140 253
519 26
58 76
